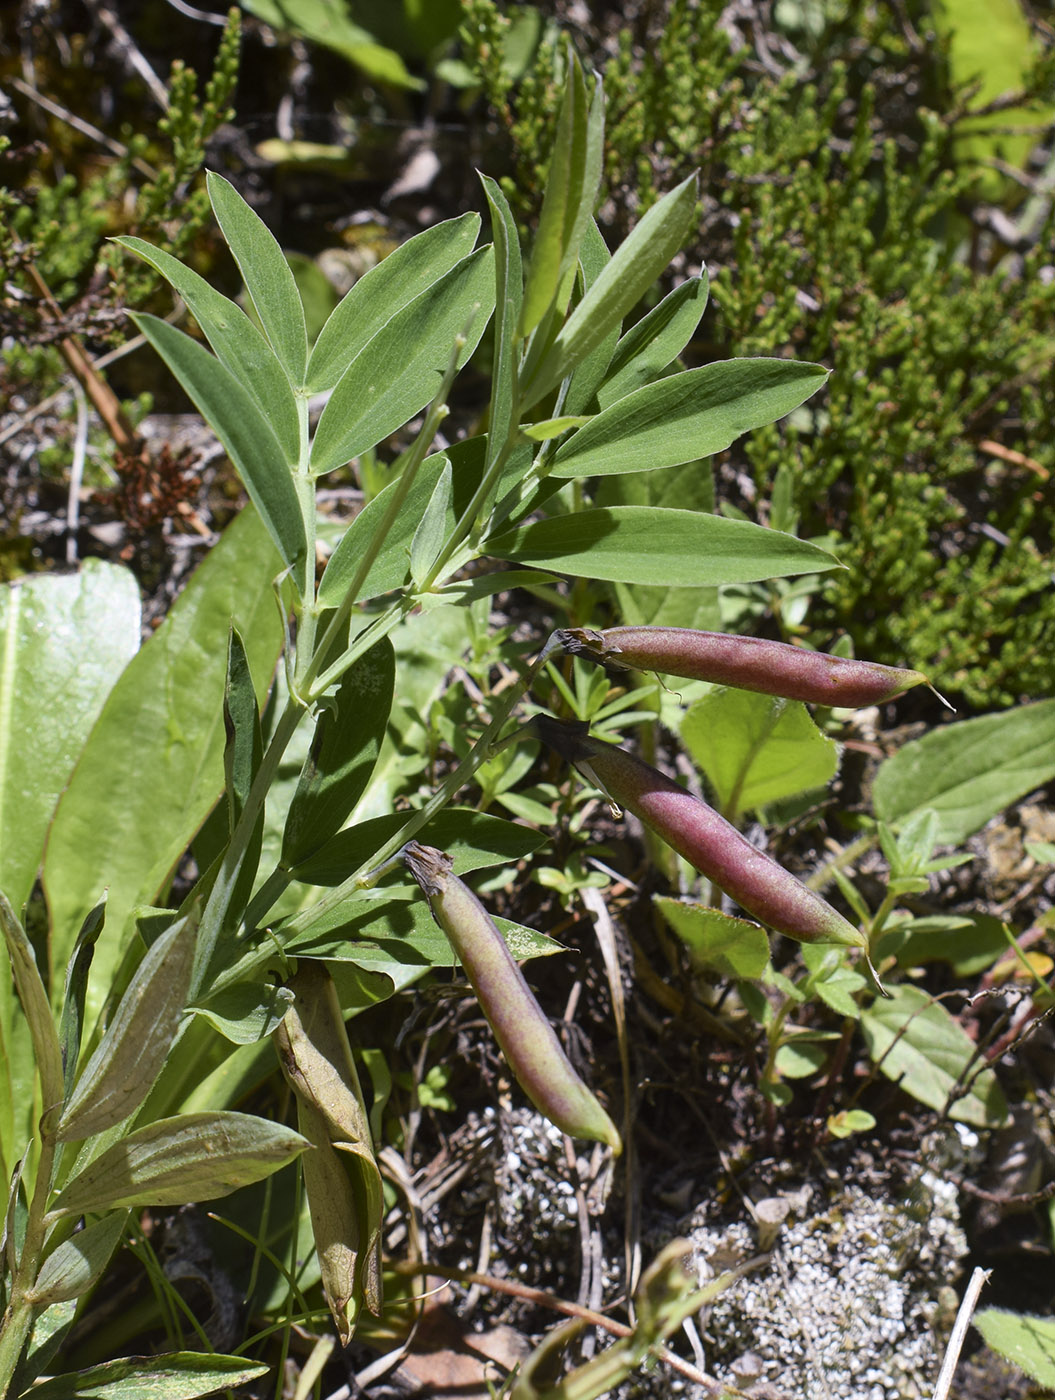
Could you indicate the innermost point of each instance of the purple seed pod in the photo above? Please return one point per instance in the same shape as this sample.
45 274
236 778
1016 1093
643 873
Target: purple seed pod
527 1039
706 840
749 663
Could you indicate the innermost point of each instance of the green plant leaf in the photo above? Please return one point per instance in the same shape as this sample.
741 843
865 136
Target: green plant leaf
245 1012
194 1157
594 257
35 1006
731 947
66 639
79 966
687 416
509 297
400 369
178 1375
432 528
327 22
655 341
572 183
231 412
78 1262
651 545
344 750
756 749
267 276
128 1059
800 1058
969 771
1027 1342
472 839
634 267
391 565
237 343
153 766
918 1044
383 291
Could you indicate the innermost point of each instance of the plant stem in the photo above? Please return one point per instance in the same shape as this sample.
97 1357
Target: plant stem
18 1320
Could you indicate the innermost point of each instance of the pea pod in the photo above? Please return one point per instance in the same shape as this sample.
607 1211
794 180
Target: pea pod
707 841
749 663
521 1027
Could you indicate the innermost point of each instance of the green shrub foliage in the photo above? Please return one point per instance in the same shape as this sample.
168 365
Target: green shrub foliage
838 226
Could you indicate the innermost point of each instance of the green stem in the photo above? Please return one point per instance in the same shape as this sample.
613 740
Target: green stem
18 1320
364 878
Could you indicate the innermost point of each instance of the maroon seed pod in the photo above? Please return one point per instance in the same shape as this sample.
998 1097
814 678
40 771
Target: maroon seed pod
749 663
707 841
527 1039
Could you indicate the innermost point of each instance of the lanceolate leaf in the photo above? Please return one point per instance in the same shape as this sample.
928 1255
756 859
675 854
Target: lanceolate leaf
348 735
970 771
266 274
687 416
194 1157
153 766
474 839
34 999
399 371
594 257
383 291
65 640
178 1375
77 1262
509 286
128 1059
571 190
655 341
634 267
236 340
648 544
232 413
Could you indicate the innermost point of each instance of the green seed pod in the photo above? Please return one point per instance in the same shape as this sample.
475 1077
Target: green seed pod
527 1039
706 840
749 663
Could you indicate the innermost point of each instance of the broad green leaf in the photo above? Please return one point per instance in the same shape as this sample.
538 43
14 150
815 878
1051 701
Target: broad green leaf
237 343
400 369
344 750
153 766
246 1011
634 267
267 276
918 1044
833 979
383 291
687 416
473 839
392 563
35 1006
178 1375
729 946
655 341
1028 1342
647 544
572 182
800 1058
194 1157
969 771
757 749
65 640
230 410
78 1262
50 1328
128 1059
509 296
